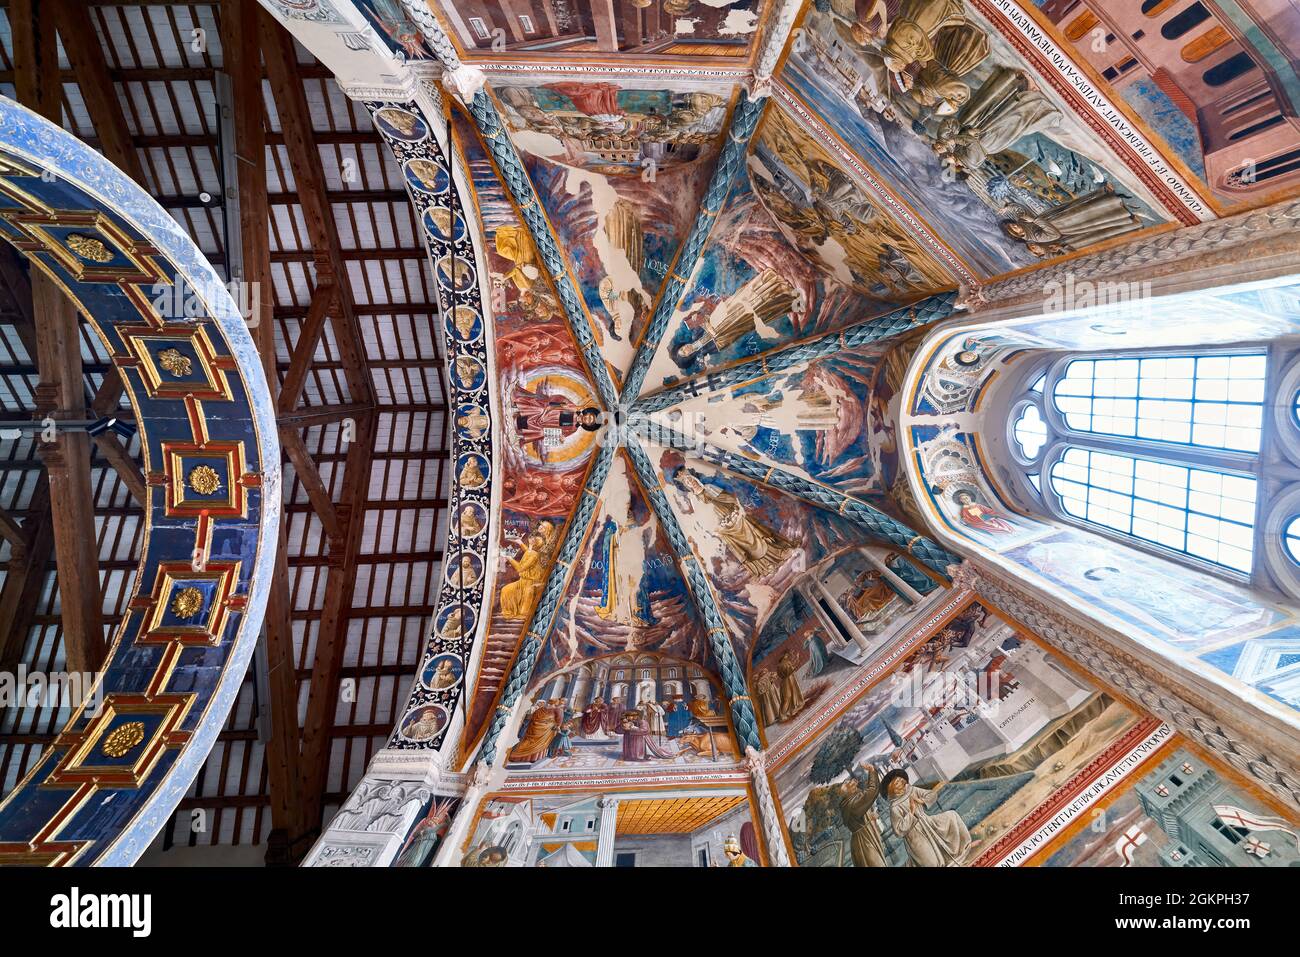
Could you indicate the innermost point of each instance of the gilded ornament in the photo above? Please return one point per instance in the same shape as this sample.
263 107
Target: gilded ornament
175 362
203 479
123 739
88 248
187 602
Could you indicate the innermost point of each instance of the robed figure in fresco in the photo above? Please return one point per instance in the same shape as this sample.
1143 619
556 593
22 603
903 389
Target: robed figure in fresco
426 835
792 700
767 697
858 811
637 742
818 657
595 721
1091 218
980 516
757 304
518 597
620 564
932 840
541 725
761 550
542 418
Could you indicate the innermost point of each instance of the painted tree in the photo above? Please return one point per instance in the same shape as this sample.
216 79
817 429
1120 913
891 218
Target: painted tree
836 755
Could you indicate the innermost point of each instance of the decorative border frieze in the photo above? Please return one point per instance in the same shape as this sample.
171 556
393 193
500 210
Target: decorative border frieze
1097 110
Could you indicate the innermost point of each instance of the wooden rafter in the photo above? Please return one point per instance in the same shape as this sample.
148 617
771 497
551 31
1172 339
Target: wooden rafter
305 418
290 97
25 578
323 300
61 392
390 293
241 46
309 476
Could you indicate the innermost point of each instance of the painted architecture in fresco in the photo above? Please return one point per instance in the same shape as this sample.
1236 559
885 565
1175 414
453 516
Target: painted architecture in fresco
614 830
624 711
942 760
1182 813
1214 80
575 27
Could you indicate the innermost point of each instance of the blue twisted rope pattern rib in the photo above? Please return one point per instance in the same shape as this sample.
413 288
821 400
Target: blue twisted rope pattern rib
521 188
730 161
867 517
724 653
548 605
864 333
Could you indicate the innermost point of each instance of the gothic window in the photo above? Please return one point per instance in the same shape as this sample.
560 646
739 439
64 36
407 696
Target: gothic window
1291 539
1162 450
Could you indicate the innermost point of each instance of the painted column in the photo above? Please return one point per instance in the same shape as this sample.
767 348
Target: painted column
841 616
773 831
910 593
608 823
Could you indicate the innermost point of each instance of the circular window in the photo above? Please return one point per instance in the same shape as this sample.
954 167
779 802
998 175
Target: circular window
1291 539
1295 408
1030 431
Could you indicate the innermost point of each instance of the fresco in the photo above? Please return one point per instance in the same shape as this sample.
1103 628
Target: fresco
549 422
427 832
1269 662
1184 812
752 541
958 370
707 828
829 218
827 420
971 732
619 211
558 28
1194 612
625 592
835 619
958 490
940 106
752 290
604 127
623 711
1248 312
1214 81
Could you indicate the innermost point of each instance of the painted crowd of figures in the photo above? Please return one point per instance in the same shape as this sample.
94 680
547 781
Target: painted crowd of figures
653 729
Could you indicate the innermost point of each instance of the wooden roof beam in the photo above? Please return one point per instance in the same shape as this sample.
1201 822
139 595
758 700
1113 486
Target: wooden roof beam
61 392
242 52
309 476
323 300
308 416
309 176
